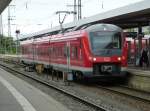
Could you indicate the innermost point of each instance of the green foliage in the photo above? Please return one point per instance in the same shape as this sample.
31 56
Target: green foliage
147 31
7 45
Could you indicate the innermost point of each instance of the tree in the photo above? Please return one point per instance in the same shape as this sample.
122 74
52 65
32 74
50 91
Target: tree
7 45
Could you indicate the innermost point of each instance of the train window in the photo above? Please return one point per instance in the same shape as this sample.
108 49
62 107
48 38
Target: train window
105 40
30 50
102 43
60 51
54 49
80 44
57 51
80 53
49 50
65 51
45 51
22 50
116 40
74 53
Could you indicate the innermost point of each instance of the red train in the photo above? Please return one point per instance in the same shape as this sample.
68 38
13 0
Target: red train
93 51
135 46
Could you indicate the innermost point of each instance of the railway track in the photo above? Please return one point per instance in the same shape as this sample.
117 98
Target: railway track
119 90
128 92
76 97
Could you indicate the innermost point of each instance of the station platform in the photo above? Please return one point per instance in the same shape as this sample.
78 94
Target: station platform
139 78
143 71
18 95
7 101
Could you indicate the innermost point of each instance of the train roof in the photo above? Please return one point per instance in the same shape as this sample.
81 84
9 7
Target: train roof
132 15
103 27
55 38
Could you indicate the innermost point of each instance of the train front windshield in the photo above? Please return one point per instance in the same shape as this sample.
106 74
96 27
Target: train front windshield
105 43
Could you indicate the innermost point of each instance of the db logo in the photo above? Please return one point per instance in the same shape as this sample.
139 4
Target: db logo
107 59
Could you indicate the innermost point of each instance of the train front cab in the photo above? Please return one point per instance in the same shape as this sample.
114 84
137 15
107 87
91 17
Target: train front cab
108 53
106 71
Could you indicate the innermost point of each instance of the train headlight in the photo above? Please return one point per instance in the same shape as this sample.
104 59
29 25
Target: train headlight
94 59
119 58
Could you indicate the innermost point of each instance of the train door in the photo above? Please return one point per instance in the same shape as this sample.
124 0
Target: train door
33 52
36 53
129 52
50 52
68 56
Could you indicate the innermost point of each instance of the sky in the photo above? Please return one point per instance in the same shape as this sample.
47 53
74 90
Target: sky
31 16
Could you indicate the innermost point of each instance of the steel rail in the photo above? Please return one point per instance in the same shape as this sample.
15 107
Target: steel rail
114 90
111 89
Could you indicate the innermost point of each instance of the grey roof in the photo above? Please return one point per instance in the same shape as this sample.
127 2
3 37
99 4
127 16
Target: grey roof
3 4
133 15
134 11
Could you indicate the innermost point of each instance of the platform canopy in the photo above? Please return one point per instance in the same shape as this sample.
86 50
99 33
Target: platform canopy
3 4
133 15
130 16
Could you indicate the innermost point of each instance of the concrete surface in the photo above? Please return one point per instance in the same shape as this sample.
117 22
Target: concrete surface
139 79
37 99
7 101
